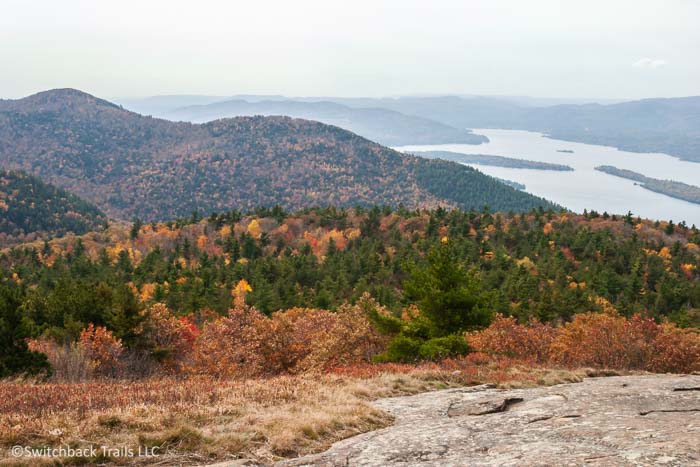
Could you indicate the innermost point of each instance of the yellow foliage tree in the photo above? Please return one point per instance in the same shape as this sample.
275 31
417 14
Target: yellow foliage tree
254 229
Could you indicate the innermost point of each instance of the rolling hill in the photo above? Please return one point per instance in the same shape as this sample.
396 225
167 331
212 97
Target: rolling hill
30 209
136 166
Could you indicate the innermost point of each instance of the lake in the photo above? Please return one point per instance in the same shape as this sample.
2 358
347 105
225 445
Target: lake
585 188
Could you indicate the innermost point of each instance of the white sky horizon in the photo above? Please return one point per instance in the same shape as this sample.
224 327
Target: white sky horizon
619 50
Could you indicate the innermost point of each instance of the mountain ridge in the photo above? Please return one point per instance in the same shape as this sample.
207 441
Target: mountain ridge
384 126
136 166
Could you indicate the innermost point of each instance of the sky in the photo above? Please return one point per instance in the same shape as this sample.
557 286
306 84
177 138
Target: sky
616 49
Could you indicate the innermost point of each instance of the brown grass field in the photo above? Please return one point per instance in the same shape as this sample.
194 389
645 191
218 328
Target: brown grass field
200 420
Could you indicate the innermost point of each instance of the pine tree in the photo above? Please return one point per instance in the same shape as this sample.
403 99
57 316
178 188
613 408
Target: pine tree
447 293
16 358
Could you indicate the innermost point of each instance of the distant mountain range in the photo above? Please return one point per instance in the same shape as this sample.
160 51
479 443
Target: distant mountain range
31 209
135 166
670 125
664 125
380 125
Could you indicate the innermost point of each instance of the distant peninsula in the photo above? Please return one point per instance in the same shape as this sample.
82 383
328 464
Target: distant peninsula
496 161
679 190
568 151
511 183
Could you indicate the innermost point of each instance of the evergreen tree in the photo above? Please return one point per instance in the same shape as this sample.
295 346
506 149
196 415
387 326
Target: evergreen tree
447 293
15 357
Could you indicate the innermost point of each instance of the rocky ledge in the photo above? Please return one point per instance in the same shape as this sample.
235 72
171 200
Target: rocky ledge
626 420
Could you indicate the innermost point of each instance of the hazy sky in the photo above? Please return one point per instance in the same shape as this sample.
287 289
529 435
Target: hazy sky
562 48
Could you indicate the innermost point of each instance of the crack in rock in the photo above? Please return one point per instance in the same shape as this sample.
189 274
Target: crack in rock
668 411
541 419
549 417
687 389
483 408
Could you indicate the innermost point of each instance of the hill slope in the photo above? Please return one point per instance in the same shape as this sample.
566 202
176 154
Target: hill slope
131 165
31 209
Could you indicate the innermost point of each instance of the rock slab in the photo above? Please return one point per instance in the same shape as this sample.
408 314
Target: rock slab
613 421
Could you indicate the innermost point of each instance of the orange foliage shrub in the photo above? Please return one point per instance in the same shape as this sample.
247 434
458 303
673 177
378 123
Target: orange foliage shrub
601 340
606 341
288 337
246 343
102 348
505 336
229 346
676 350
170 339
350 339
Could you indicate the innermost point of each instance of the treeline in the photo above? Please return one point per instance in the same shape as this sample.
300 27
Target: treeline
541 266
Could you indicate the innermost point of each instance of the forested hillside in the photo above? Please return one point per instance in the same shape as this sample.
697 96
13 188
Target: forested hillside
135 166
538 265
31 209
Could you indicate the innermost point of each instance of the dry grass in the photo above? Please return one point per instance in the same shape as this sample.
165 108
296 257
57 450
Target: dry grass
201 420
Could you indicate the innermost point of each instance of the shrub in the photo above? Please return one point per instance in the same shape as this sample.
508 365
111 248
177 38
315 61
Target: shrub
246 343
288 337
69 361
505 336
676 350
406 349
350 340
229 346
102 349
167 338
606 341
440 348
600 340
402 349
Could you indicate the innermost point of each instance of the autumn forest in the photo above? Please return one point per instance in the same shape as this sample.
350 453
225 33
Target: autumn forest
195 287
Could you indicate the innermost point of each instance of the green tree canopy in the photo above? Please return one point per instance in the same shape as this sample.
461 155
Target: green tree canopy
16 358
447 293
